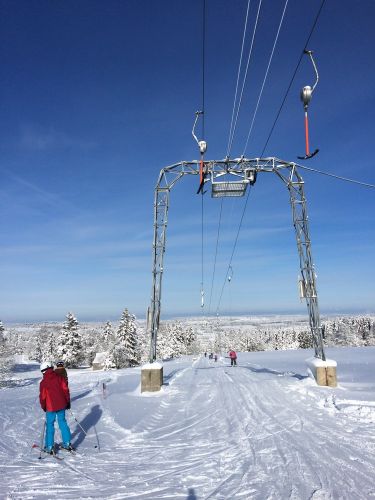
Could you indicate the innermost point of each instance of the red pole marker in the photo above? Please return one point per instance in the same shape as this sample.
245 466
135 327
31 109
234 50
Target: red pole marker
307 134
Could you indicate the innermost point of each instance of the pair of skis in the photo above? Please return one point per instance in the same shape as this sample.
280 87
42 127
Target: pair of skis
54 455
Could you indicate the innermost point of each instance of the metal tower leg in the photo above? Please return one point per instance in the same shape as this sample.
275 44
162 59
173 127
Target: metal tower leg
161 205
300 221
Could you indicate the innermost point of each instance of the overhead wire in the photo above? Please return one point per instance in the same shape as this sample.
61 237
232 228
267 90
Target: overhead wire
238 76
233 123
293 76
232 254
366 184
203 135
265 77
231 137
215 258
249 190
203 64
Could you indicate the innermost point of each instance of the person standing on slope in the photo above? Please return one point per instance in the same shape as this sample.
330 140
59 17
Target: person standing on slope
54 399
60 370
233 358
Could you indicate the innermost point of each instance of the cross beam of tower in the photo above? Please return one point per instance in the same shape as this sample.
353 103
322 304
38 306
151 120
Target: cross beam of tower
232 178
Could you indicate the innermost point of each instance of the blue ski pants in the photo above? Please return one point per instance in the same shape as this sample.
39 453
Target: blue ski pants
50 428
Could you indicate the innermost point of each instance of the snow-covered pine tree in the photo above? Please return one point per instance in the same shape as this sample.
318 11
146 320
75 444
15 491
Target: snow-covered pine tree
2 339
49 351
125 351
171 340
190 341
69 348
5 357
305 339
37 352
108 336
178 339
143 338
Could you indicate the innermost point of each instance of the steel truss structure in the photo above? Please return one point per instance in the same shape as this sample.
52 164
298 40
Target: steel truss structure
241 172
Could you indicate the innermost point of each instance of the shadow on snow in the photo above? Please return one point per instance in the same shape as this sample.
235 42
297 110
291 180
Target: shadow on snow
88 422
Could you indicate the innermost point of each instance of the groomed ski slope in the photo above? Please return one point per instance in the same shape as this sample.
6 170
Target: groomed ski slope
261 430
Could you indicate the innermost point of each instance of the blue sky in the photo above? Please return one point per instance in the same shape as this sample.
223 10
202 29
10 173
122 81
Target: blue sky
97 97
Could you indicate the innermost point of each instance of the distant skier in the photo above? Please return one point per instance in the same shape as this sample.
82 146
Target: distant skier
60 370
233 358
54 399
215 358
205 355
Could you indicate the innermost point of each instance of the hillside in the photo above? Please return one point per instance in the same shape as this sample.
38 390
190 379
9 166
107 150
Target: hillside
259 430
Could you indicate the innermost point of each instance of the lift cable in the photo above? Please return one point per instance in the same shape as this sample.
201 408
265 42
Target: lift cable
265 77
248 193
233 250
215 258
338 176
233 128
203 132
238 78
293 76
203 64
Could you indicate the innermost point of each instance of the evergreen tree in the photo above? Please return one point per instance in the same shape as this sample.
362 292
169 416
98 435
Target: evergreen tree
172 340
107 336
5 357
126 351
37 352
305 339
190 340
49 350
69 347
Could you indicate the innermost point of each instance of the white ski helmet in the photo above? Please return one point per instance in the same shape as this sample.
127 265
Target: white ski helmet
45 365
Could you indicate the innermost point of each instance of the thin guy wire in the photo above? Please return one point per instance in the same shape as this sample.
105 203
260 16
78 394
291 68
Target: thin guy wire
215 259
293 76
265 77
238 75
337 176
244 80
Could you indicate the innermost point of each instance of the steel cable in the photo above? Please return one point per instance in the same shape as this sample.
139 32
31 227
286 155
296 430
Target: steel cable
265 77
293 76
244 80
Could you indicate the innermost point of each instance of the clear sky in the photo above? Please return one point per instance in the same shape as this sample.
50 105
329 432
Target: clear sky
98 96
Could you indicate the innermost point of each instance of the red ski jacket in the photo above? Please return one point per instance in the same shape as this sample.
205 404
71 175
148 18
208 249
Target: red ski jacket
53 392
232 355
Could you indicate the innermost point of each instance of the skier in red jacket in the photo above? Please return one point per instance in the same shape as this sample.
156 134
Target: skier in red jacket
233 358
54 399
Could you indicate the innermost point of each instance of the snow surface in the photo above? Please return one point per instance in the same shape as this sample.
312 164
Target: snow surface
261 430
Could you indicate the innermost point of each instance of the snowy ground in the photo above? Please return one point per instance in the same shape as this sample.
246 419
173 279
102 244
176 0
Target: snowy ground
262 430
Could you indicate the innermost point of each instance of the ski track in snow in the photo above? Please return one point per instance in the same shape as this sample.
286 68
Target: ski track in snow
215 432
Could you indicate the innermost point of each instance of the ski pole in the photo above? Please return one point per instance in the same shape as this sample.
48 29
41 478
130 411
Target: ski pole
42 439
72 414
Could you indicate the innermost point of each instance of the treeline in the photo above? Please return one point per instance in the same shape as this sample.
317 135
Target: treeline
354 331
128 345
76 344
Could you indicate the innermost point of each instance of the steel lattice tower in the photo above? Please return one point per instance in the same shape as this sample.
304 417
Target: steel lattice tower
238 174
